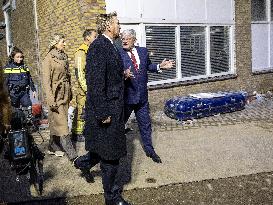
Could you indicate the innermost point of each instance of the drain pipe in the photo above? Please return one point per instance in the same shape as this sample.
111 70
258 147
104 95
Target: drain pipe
37 32
7 11
40 94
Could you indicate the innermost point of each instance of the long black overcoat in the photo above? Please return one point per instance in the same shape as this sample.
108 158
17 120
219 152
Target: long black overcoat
105 90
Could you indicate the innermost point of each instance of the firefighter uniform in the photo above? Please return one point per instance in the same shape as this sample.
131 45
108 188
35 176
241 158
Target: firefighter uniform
79 89
19 82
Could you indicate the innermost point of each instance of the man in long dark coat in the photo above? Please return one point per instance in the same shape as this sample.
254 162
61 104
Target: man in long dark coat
104 127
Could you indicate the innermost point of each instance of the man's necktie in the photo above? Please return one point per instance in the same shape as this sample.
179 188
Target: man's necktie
134 60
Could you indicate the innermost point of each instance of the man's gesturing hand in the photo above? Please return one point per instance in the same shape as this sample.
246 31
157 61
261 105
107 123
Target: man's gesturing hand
166 64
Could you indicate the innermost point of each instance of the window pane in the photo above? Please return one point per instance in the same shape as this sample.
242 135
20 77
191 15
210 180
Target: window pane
258 10
160 42
219 49
193 59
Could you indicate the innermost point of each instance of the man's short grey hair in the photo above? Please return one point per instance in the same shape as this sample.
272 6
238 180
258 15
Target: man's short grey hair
104 20
130 32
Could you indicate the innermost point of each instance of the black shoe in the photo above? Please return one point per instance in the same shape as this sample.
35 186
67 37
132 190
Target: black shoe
119 201
87 175
154 157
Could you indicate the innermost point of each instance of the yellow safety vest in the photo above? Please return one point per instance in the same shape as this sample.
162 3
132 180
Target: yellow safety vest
83 47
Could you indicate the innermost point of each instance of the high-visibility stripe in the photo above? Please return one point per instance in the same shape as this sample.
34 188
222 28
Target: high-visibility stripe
16 70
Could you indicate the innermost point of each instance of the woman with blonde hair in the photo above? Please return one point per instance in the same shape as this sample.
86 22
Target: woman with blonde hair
57 89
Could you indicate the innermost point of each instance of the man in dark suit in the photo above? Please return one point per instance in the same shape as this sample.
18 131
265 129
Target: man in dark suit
104 128
136 63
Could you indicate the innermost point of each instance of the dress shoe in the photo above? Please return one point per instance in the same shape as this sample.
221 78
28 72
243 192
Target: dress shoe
119 201
154 157
87 175
85 172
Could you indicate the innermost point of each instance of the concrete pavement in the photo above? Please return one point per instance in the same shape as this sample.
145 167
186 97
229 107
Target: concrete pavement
223 146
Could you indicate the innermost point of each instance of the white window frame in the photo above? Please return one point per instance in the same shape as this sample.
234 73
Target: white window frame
269 23
179 77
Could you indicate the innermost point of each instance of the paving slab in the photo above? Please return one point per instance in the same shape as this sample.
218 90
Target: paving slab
218 147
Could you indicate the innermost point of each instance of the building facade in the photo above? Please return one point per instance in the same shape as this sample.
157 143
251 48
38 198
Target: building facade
30 24
217 45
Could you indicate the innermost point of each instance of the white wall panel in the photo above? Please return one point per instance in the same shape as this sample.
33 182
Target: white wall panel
174 11
219 11
259 46
192 11
159 9
124 8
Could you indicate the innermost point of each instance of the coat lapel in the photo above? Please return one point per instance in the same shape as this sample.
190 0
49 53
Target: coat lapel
114 52
141 57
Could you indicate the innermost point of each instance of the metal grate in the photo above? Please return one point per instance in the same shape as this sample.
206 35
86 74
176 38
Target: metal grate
193 47
219 49
160 42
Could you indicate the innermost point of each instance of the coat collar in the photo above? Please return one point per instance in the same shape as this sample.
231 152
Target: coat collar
58 54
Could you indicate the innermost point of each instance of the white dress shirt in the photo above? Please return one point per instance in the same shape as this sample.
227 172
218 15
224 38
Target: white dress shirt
108 38
134 51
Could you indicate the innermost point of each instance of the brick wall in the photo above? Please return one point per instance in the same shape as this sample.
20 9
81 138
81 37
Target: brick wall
244 79
24 34
70 17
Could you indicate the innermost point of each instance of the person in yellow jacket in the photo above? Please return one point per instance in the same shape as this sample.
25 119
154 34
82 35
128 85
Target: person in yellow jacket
79 87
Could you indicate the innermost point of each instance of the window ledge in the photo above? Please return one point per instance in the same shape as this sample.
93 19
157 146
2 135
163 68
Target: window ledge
262 71
192 82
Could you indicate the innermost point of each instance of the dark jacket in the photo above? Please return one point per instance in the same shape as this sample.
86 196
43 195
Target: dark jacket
136 88
105 88
18 76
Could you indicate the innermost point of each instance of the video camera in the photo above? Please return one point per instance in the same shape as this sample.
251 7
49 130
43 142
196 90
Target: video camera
22 152
22 148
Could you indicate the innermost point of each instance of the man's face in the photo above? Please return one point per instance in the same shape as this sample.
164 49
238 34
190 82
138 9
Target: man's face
114 27
128 42
92 37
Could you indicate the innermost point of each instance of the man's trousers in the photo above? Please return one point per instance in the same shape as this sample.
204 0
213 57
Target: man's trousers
143 118
109 169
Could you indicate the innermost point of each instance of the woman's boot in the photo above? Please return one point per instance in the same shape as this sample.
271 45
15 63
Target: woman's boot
54 146
67 146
